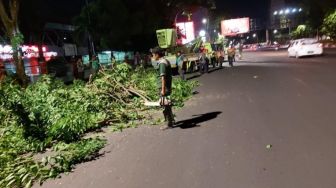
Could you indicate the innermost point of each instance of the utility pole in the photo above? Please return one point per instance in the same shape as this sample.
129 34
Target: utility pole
267 36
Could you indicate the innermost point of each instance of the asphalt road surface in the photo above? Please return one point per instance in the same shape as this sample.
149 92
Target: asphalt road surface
268 122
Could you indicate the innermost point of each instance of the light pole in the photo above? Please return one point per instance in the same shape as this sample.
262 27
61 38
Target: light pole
206 23
256 36
285 14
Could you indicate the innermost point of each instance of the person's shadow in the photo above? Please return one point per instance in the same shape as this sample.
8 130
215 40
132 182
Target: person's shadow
196 120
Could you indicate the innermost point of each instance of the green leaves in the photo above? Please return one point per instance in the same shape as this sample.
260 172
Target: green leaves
301 31
17 40
329 24
50 114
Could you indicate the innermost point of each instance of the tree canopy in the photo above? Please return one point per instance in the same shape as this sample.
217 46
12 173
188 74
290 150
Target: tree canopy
316 10
329 25
301 31
129 24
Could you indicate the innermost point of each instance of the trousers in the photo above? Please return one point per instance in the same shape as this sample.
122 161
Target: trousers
168 115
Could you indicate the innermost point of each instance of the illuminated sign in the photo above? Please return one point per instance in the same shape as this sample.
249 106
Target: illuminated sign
187 31
6 52
235 26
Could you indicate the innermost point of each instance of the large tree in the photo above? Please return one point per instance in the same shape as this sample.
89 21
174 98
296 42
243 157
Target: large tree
130 24
9 11
329 24
316 10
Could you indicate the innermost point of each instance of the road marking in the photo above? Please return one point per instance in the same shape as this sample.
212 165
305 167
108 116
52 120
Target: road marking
301 82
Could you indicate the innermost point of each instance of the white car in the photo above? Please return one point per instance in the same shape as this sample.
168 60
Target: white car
305 47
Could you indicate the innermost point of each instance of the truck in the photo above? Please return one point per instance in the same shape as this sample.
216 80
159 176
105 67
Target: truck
191 51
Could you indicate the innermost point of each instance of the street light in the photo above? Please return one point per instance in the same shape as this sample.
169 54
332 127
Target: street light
254 35
204 21
275 31
202 33
287 11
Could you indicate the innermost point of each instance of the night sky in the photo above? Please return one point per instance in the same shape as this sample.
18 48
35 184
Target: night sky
234 8
241 8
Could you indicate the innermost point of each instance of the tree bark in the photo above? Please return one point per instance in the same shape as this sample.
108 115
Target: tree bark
10 22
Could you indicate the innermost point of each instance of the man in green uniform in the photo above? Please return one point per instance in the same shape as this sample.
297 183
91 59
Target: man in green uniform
95 65
165 86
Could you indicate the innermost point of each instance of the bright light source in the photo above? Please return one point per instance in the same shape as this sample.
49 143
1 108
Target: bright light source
254 35
187 28
287 11
300 9
247 37
64 38
294 10
204 21
34 48
281 12
7 49
275 31
202 33
215 31
275 13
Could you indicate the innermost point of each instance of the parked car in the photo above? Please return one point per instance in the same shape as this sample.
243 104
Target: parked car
305 47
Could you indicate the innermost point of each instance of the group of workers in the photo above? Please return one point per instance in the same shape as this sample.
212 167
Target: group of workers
215 59
165 73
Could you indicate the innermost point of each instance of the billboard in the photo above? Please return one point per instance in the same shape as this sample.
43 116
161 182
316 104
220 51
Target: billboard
186 31
29 51
235 26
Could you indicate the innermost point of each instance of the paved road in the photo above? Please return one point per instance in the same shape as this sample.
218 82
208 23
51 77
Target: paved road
266 99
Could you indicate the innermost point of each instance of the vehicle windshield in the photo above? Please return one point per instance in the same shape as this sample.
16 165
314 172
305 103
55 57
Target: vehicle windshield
309 41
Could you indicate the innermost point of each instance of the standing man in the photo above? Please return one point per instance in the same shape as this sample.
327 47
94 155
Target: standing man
113 60
80 69
231 54
203 63
240 48
181 65
95 65
137 59
165 86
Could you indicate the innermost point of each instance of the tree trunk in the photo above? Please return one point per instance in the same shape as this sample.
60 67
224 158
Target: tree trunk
10 22
41 58
20 69
19 64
